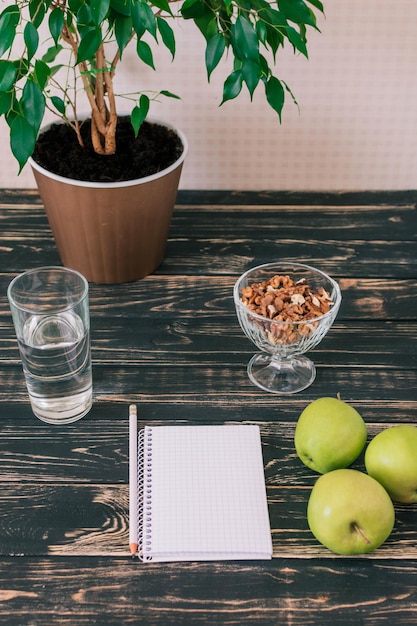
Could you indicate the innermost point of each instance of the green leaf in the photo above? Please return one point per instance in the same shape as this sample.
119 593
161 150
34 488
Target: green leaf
244 40
207 24
145 53
8 73
317 4
56 24
296 40
9 19
214 51
264 68
99 10
137 23
203 16
261 32
33 105
55 69
89 45
167 35
51 54
163 5
75 5
147 17
122 31
22 140
276 25
41 73
22 67
37 11
297 11
232 86
6 100
287 88
275 94
192 9
251 73
237 64
31 38
59 104
122 6
85 21
10 116
139 113
274 18
169 94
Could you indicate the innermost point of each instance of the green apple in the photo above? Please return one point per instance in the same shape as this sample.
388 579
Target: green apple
330 434
350 512
391 458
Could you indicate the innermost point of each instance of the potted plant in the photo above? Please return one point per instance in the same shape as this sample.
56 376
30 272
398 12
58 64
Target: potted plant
52 51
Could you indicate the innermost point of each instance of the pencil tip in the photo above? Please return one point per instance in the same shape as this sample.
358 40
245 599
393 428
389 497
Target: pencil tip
133 549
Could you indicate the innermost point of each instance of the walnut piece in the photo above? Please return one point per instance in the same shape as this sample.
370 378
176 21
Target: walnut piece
283 300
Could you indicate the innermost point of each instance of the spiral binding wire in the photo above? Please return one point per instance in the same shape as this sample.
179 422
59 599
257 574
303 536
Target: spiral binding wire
140 480
145 495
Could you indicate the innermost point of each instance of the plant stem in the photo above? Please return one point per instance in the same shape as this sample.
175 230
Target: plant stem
96 86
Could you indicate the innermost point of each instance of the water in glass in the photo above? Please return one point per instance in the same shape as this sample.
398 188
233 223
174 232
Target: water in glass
57 365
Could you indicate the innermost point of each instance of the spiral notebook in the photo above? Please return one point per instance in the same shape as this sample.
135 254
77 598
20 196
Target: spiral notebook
201 494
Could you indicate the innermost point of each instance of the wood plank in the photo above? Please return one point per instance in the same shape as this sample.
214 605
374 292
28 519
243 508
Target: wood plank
16 412
363 298
285 592
282 222
363 258
201 340
297 198
191 384
230 196
92 520
187 297
95 451
353 258
394 260
257 222
325 236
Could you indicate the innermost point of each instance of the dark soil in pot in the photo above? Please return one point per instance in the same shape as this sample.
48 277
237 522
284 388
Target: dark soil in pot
154 149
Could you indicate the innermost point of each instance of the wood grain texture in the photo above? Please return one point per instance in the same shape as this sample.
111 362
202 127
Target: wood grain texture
286 591
64 500
171 343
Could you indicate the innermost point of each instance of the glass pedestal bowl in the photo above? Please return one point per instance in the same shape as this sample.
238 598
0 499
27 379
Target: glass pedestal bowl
285 309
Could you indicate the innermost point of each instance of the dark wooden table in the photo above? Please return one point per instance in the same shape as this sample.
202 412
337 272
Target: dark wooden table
171 344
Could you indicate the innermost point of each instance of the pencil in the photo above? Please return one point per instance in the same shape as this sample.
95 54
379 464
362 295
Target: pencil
133 479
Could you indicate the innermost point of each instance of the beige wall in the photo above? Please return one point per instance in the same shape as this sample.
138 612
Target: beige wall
357 124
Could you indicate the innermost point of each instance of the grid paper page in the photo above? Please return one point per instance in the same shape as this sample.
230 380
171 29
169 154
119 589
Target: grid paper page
207 498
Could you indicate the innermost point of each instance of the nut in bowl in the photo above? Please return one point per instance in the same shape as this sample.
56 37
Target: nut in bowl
285 309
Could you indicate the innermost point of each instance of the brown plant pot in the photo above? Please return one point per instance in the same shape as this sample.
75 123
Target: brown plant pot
111 232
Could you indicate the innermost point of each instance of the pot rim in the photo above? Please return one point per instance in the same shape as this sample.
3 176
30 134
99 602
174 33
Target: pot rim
124 183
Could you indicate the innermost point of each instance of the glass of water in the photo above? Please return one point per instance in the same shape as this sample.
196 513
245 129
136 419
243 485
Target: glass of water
50 312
